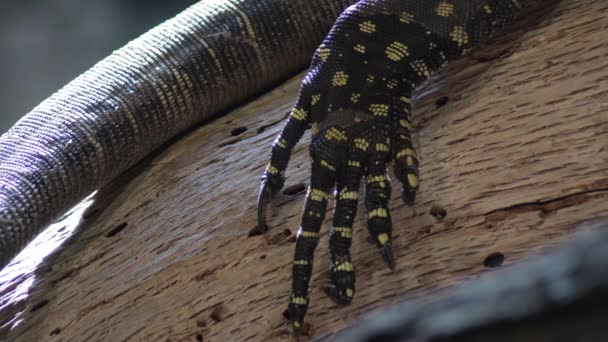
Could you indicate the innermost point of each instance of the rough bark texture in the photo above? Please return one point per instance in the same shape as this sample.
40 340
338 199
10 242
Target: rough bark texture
514 160
558 297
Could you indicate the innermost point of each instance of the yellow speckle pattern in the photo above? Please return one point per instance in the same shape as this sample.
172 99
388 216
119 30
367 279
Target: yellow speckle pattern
299 114
367 27
345 266
370 79
299 301
348 195
379 109
392 84
412 180
381 180
421 68
314 99
380 212
271 169
444 9
301 262
405 99
408 125
459 35
378 178
354 163
323 53
314 128
335 134
359 48
354 98
361 144
396 51
381 147
488 9
296 324
312 213
340 79
318 195
383 238
345 232
406 152
405 17
307 234
281 143
328 165
432 45
349 292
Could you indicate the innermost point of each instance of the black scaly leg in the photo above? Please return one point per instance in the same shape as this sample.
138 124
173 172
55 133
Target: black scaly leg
297 123
342 287
358 100
273 178
321 184
377 194
403 153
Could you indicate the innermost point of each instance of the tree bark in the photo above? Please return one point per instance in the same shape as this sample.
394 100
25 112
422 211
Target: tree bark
513 147
558 297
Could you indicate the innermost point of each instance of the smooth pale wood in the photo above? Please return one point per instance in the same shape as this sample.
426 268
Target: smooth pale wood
518 158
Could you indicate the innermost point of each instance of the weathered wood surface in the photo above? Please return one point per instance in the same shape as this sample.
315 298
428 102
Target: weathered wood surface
561 296
517 158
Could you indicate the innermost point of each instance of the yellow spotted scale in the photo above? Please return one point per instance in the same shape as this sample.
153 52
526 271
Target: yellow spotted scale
357 97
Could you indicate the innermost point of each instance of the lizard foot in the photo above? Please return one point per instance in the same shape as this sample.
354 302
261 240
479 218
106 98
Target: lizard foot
271 184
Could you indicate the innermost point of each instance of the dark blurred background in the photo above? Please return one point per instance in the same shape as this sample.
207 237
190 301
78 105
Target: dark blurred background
45 44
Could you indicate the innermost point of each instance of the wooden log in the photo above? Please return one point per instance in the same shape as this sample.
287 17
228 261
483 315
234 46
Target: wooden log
512 142
558 297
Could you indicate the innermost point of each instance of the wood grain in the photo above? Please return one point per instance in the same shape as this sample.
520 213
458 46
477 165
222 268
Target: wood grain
517 158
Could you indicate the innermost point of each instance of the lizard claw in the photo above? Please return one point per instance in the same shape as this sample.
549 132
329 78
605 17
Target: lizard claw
263 199
408 196
270 186
296 315
336 296
387 254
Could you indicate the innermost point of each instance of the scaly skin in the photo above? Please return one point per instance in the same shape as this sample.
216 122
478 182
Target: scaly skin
210 57
215 54
356 97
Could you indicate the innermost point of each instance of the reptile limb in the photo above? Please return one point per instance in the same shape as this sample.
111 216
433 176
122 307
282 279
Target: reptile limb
357 99
210 57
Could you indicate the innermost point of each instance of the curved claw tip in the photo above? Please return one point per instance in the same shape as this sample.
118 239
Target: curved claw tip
298 329
387 254
263 199
257 230
332 292
295 331
408 196
263 228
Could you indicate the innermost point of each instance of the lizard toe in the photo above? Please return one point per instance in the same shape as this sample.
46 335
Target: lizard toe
337 296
